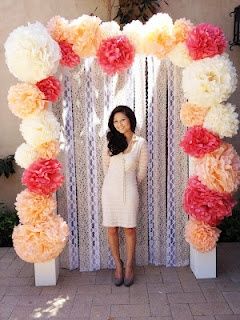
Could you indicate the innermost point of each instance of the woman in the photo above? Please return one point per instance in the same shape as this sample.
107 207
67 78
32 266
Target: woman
125 165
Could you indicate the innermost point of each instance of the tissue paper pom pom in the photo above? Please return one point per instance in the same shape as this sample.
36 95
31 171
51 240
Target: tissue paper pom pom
199 141
25 99
31 53
206 40
181 29
40 129
33 208
220 170
69 57
85 35
192 114
42 242
201 236
209 81
51 88
179 55
43 176
206 205
109 29
159 38
222 120
58 28
25 155
48 150
115 54
134 31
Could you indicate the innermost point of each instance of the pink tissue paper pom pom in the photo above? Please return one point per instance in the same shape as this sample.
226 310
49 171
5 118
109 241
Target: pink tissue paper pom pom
51 87
198 141
206 205
115 54
43 176
201 236
206 40
69 57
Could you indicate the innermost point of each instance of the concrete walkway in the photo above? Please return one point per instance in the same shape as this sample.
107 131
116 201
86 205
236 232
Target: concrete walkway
158 293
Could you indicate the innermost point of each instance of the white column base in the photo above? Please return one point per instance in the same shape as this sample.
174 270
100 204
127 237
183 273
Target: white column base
203 265
46 273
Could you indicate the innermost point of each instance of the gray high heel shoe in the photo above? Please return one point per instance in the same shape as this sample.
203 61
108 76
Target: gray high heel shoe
119 281
128 281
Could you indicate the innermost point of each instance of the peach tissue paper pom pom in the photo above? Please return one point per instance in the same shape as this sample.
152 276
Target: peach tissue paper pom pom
159 37
58 28
222 120
198 141
220 169
179 55
201 236
26 99
48 150
181 29
115 54
25 155
193 114
85 35
33 208
51 87
206 40
42 242
43 176
206 205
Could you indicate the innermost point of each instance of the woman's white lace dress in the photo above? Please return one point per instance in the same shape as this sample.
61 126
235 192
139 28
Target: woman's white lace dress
123 174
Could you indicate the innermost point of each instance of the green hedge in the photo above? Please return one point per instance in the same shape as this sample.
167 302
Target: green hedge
8 219
231 226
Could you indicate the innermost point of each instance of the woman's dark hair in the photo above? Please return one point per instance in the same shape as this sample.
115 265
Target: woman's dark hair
117 142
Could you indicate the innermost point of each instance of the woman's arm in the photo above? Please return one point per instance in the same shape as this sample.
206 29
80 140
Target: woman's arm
105 158
142 162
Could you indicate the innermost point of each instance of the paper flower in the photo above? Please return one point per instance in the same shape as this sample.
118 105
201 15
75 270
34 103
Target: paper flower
109 29
58 28
179 55
40 129
25 155
192 114
198 141
206 205
134 31
85 35
206 40
25 99
43 176
209 81
69 57
181 29
48 150
42 242
51 88
31 53
220 169
222 120
201 236
159 38
115 54
33 208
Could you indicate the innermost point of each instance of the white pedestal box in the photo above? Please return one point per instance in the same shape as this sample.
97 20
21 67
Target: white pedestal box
46 273
203 265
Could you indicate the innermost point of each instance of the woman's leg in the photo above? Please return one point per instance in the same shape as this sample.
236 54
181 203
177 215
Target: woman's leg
113 241
130 235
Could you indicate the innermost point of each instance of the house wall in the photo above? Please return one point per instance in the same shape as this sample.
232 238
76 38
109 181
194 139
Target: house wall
17 12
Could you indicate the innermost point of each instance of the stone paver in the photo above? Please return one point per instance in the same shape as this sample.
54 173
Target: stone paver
159 293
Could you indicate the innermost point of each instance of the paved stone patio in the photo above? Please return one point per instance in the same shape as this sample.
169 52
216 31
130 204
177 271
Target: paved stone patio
159 293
